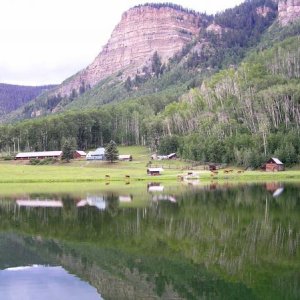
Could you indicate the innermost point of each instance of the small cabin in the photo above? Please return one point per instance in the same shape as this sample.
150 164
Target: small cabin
125 157
154 171
79 154
273 165
98 154
172 156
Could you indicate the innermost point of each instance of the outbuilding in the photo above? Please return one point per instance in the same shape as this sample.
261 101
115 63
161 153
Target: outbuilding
79 154
154 171
125 157
98 154
274 165
172 156
38 155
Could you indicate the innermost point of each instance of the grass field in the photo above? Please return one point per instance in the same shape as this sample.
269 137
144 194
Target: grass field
96 171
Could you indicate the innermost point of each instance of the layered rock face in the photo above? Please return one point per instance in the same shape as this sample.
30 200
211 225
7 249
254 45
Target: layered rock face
288 11
142 31
263 10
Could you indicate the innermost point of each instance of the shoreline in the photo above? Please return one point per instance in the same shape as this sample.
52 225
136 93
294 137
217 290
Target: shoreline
250 176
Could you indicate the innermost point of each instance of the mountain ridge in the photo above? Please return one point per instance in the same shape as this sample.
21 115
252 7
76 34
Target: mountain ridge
14 96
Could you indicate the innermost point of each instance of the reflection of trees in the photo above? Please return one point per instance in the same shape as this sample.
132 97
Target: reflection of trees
112 204
242 232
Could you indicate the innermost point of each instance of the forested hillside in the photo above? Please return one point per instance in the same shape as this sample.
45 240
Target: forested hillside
241 115
14 96
239 106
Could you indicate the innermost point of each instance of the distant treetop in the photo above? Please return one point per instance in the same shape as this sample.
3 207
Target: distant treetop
169 5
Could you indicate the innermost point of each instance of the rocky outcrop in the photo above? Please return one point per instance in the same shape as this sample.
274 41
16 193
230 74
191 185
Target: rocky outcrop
142 31
288 11
215 28
264 10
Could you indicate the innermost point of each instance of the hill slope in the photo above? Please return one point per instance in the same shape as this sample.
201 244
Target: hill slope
14 96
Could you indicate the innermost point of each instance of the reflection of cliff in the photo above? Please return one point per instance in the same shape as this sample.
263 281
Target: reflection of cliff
242 232
14 252
119 275
121 283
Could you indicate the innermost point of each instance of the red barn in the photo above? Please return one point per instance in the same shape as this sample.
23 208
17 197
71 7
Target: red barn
79 154
274 165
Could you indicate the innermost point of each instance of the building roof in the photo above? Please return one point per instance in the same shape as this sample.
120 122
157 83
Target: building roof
277 161
124 156
38 154
155 169
99 151
82 153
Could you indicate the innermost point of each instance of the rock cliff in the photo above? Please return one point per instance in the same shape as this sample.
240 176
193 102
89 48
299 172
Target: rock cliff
288 11
141 32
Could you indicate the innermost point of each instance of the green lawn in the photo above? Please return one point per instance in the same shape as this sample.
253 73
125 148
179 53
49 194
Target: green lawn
96 171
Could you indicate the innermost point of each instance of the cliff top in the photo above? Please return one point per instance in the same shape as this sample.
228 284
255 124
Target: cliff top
167 5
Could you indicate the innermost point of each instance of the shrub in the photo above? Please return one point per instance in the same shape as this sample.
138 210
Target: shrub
34 161
8 157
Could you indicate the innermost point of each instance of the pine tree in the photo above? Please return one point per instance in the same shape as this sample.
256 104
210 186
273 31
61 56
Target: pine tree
111 152
67 151
156 64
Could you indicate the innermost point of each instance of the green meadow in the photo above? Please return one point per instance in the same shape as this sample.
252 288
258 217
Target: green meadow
97 171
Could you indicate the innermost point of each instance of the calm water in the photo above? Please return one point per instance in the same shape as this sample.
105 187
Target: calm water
152 242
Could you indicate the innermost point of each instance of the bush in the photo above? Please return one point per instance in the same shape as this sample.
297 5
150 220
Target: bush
46 161
34 161
8 157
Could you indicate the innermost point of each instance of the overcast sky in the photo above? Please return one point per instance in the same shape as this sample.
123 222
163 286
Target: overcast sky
46 41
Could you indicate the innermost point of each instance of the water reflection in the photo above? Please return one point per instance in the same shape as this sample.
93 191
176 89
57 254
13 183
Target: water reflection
166 242
155 189
276 188
125 198
43 283
96 201
39 203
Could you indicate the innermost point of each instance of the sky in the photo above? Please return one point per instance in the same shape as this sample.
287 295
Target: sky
47 41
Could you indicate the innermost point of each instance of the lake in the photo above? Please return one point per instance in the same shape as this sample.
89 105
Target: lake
151 241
